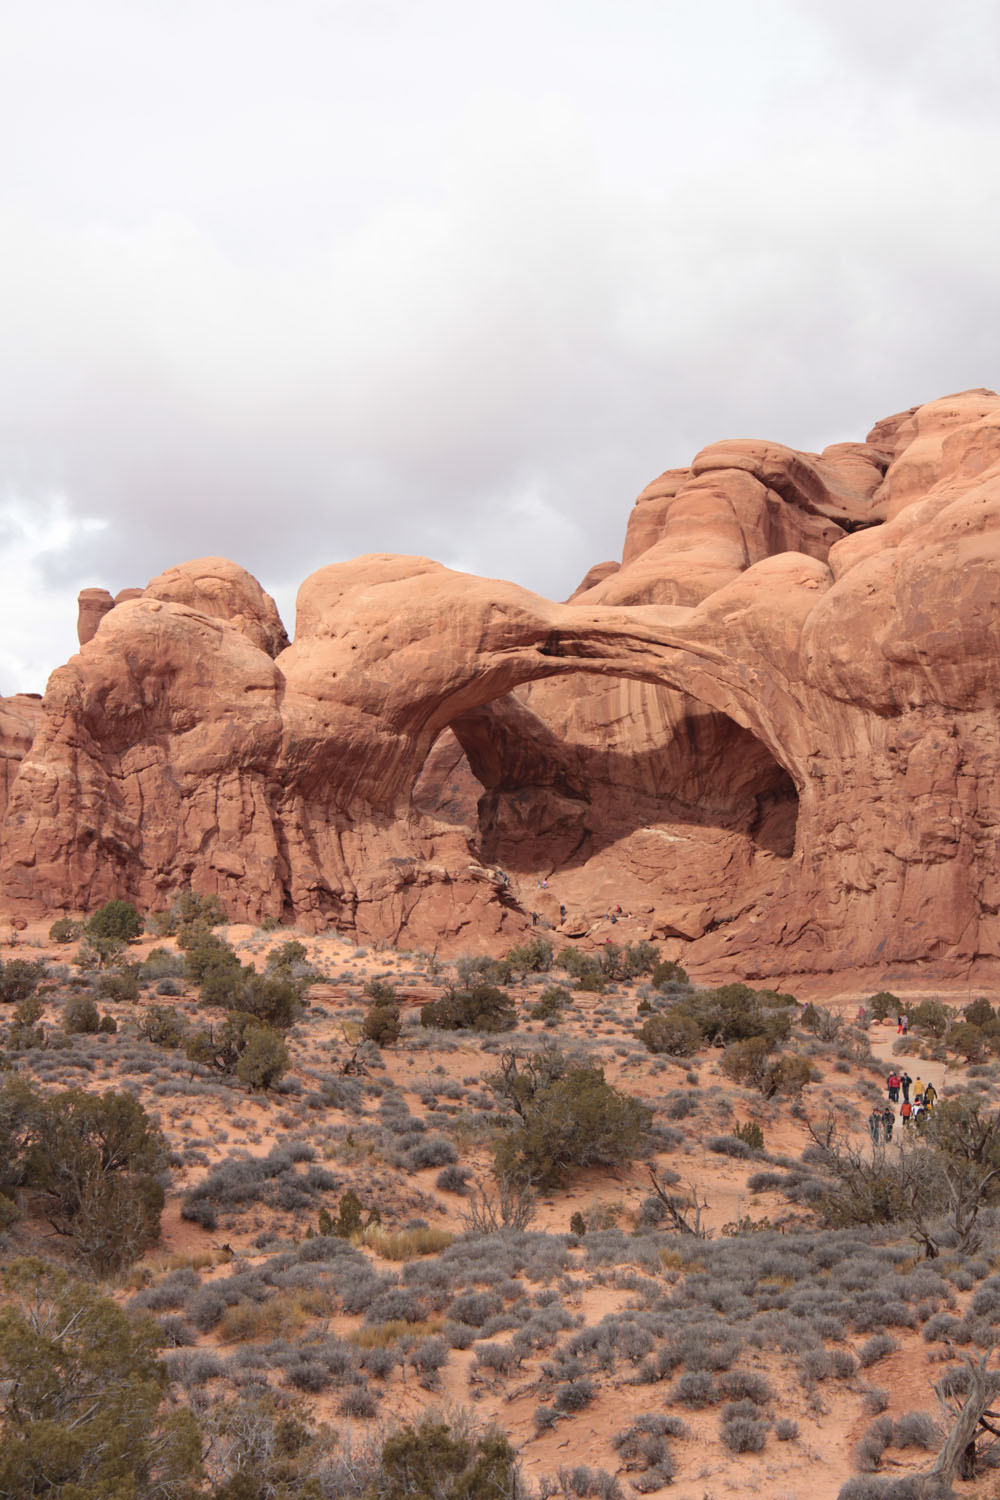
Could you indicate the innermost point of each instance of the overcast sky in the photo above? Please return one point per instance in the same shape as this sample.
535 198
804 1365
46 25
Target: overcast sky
294 280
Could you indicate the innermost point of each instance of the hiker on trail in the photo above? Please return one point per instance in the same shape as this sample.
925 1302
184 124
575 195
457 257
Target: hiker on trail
904 1082
892 1084
918 1091
899 1025
906 1024
562 913
905 1111
534 919
888 1121
930 1094
875 1126
919 1115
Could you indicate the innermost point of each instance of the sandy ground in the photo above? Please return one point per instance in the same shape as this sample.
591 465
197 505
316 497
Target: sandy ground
812 1467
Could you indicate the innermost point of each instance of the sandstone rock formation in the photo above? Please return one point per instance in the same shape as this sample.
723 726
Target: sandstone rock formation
770 734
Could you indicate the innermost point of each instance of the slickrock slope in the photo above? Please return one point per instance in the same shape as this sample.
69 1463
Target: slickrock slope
771 734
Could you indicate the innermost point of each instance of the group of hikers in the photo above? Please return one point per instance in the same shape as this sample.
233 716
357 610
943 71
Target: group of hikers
915 1112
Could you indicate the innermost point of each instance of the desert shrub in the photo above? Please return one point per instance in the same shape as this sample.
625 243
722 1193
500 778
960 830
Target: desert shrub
735 1013
160 963
480 1007
668 975
672 1031
120 983
380 991
358 1402
568 1117
695 1388
749 1062
65 930
188 910
876 1348
382 1025
208 951
271 999
200 1211
728 1145
97 1161
475 1308
531 957
550 1003
883 1005
264 1058
287 955
746 1385
629 962
574 1395
786 1430
583 1482
916 1429
742 1428
968 1041
823 1023
88 1418
19 978
162 1026
453 1179
80 1016
930 1016
873 1443
751 1133
24 1032
117 920
430 1151
433 1462
256 1054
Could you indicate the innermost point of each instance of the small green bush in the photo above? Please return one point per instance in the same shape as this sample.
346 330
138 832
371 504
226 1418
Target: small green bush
932 1017
65 930
751 1133
569 1116
550 1003
263 1059
120 984
80 1016
672 1031
532 957
116 919
382 1025
162 1026
883 1005
188 909
481 1007
433 1463
19 978
666 974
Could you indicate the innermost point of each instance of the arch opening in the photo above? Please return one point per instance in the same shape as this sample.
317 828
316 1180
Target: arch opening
593 793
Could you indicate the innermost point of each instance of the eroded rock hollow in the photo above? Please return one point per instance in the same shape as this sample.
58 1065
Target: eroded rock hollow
769 735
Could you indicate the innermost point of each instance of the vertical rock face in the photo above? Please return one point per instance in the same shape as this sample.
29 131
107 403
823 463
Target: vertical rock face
92 606
20 717
771 732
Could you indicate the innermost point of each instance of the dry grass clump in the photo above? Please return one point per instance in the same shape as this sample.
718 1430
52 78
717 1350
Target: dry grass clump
405 1244
383 1335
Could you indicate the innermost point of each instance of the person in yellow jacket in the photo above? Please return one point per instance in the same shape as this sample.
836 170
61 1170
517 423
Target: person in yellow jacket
918 1089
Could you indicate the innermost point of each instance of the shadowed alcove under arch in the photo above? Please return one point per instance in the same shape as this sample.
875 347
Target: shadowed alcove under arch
613 791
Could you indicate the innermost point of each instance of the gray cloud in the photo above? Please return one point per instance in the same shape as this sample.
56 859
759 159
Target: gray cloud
456 280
